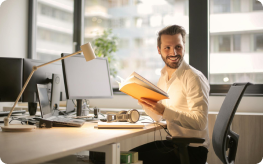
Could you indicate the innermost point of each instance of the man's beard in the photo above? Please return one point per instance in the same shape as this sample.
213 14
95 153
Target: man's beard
173 65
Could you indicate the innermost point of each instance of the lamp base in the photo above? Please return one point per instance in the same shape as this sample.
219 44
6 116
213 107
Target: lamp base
18 128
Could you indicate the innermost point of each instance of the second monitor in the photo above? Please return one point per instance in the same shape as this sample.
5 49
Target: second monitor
86 80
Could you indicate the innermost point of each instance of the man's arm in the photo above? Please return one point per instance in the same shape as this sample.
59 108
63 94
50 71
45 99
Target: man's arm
197 99
196 116
149 111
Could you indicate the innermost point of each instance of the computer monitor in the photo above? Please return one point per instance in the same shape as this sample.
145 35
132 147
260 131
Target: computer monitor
11 71
42 76
86 80
14 73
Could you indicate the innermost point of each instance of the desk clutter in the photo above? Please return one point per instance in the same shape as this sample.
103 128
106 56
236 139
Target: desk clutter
125 119
48 86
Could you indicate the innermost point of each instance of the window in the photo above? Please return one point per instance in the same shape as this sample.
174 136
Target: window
221 6
258 39
136 23
54 28
226 6
236 35
225 43
234 44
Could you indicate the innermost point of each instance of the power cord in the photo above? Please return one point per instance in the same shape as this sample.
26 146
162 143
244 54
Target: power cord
166 130
19 119
87 103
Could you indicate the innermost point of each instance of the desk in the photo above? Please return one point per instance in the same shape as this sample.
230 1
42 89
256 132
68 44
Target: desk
43 145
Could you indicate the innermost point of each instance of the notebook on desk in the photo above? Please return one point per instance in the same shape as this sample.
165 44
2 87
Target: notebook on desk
47 112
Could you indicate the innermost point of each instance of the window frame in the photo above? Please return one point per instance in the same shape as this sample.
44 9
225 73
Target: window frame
199 14
78 26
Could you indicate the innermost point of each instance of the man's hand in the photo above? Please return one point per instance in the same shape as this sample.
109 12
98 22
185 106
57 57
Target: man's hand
154 106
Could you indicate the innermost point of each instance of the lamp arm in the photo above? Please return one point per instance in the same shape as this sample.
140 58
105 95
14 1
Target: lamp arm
6 119
59 59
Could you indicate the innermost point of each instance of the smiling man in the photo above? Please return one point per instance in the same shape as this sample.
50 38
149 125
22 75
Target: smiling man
186 110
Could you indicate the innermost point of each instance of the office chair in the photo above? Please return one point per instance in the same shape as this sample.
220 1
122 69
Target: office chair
223 138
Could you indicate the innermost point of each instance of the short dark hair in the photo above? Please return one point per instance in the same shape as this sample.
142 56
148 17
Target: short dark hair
171 30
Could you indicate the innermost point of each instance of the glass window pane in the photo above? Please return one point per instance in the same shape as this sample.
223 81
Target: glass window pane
54 28
221 6
236 42
224 43
258 42
135 23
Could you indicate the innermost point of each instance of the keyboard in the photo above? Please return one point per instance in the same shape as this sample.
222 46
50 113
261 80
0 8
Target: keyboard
5 113
60 119
65 121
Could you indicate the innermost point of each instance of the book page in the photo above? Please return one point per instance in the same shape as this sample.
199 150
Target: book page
148 84
136 80
138 91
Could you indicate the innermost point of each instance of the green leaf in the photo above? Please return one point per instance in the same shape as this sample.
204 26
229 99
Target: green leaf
104 46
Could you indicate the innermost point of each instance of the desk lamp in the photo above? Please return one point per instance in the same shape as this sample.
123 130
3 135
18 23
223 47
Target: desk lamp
88 54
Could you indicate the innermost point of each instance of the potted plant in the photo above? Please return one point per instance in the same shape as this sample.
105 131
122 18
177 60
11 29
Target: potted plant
104 46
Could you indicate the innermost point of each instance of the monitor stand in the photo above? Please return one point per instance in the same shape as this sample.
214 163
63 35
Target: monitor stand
79 107
55 92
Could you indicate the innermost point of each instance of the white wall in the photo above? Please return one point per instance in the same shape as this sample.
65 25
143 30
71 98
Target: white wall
13 30
13 43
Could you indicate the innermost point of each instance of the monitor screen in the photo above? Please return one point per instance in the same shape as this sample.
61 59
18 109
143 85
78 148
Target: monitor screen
11 78
40 76
86 80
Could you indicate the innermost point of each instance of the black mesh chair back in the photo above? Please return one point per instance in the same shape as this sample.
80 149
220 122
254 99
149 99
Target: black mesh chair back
223 138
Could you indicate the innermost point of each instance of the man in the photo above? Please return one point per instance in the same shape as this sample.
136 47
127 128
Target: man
186 110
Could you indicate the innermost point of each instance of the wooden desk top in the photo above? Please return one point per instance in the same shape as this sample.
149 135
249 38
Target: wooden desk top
42 145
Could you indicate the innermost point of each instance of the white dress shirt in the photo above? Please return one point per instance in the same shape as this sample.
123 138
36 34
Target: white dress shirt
186 110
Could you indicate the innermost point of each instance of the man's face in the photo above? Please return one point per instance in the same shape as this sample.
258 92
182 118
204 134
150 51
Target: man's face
172 50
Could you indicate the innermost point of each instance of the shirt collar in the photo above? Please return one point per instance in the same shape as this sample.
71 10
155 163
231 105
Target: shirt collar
179 71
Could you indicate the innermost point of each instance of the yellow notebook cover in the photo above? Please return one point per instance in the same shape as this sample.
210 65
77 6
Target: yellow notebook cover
138 87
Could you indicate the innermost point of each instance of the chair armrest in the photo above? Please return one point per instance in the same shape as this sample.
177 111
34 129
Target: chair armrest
184 140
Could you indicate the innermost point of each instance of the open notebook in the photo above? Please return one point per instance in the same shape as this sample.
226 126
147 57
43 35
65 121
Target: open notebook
137 87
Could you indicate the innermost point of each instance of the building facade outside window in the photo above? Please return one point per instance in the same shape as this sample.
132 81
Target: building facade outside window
54 26
236 34
236 41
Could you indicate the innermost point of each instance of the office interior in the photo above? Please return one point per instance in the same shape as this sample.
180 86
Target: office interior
14 44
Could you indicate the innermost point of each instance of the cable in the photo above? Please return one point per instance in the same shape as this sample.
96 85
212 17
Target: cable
87 104
166 130
161 138
74 103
